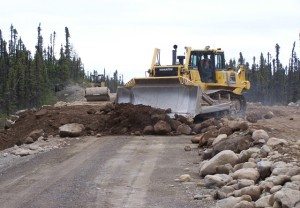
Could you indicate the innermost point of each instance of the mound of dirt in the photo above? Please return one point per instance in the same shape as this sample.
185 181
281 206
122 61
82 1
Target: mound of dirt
109 119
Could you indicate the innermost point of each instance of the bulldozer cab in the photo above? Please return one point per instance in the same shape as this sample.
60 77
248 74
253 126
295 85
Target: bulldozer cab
97 79
207 62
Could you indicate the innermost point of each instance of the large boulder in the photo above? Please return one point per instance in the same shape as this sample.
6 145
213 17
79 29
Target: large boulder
71 130
288 197
217 180
184 129
235 142
222 158
162 127
246 173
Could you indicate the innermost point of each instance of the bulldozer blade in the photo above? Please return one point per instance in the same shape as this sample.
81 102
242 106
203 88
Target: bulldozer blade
182 99
97 94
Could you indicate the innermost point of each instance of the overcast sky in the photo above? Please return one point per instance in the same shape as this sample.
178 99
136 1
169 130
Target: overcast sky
121 34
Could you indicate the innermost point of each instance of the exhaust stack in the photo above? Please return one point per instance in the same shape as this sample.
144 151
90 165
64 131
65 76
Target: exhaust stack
174 55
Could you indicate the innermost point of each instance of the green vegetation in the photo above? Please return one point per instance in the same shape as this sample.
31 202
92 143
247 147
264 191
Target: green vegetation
271 82
28 81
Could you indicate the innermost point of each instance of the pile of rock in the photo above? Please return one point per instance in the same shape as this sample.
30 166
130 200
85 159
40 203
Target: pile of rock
163 125
245 169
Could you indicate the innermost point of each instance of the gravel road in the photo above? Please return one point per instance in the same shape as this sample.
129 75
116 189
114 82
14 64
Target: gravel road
105 172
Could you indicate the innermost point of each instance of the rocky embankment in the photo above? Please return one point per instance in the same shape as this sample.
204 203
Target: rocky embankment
246 167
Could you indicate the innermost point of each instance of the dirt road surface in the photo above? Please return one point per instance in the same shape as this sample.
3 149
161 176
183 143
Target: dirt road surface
104 172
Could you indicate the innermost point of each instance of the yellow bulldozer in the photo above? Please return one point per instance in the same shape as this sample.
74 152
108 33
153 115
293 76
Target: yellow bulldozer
195 84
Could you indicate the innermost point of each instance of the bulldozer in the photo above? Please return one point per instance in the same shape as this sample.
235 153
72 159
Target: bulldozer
197 83
98 91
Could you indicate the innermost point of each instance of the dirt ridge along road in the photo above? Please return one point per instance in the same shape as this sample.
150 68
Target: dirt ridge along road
111 171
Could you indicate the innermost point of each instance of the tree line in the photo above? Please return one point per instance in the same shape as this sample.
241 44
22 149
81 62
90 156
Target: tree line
271 82
29 80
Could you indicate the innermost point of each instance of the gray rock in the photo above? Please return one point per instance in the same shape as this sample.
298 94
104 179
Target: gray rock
71 130
216 180
253 191
196 139
235 142
187 148
272 142
222 158
184 129
219 138
295 178
199 196
292 185
174 124
225 130
263 202
246 154
33 147
269 115
266 185
244 204
260 134
162 127
237 167
278 180
36 134
28 140
244 183
41 113
246 173
275 189
225 192
21 152
185 178
264 169
288 197
286 170
265 150
207 154
231 201
249 165
224 169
